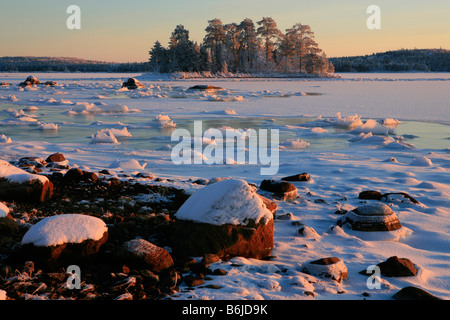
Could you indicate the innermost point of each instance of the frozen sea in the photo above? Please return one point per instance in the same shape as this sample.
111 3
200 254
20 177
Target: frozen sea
378 131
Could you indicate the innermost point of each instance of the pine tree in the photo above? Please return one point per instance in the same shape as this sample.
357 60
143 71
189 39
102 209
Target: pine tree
215 40
158 58
248 45
269 32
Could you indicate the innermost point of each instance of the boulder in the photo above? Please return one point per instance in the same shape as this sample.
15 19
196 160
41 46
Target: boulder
226 241
414 293
371 217
133 83
76 175
205 88
64 239
30 81
298 177
142 254
227 218
330 267
282 190
56 157
397 267
370 195
19 185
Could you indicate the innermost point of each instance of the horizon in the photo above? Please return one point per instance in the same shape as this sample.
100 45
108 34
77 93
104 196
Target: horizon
124 34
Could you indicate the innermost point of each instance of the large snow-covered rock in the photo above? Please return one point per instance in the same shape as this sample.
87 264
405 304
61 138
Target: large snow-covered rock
231 201
227 218
19 185
375 216
65 228
64 238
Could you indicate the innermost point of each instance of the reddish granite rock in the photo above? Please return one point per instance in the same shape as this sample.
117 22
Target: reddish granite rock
226 241
141 253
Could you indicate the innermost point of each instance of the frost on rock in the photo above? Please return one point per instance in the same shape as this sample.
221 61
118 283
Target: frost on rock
65 228
231 201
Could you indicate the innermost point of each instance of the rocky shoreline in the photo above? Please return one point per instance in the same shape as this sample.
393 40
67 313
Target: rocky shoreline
147 253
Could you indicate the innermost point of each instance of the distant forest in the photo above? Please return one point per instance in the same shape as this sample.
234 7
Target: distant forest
395 61
51 64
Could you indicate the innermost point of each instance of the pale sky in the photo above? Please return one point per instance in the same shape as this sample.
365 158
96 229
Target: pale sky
124 31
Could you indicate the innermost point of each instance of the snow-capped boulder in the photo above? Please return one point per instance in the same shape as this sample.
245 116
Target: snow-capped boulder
227 218
65 238
371 217
330 267
19 185
140 253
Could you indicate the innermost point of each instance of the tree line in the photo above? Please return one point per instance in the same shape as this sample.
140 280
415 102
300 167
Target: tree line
395 61
243 47
49 64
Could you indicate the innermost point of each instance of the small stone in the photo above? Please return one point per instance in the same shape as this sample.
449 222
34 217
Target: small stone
210 258
213 286
370 195
219 272
298 177
193 281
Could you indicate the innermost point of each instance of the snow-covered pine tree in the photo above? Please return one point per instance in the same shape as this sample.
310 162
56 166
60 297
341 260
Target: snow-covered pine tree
271 36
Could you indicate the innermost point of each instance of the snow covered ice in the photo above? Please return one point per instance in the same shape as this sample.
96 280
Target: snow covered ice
362 132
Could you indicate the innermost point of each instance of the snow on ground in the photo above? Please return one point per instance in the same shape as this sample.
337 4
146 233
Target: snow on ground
401 144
